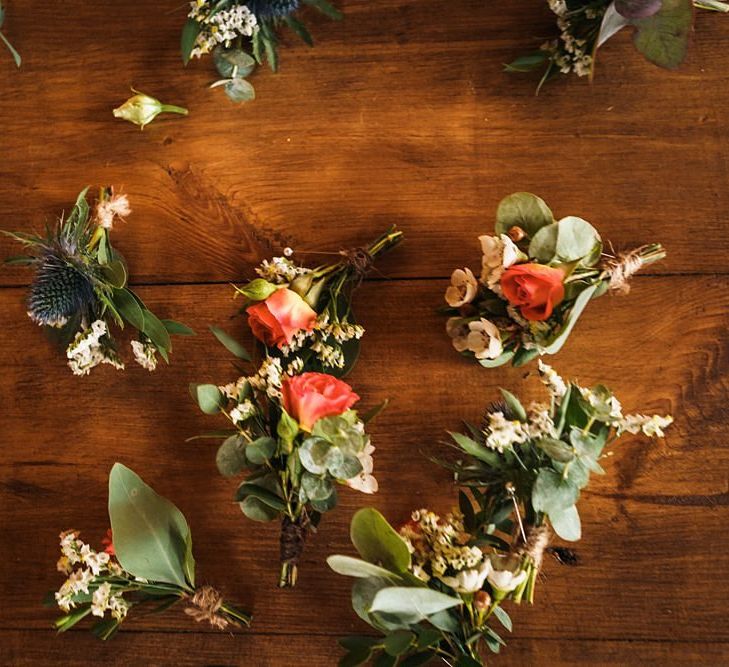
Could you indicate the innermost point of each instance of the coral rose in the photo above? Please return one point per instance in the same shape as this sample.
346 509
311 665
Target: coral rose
536 289
310 396
276 320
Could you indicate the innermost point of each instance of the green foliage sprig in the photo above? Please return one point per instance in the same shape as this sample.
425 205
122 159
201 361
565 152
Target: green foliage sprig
80 288
148 562
4 39
242 34
538 275
661 33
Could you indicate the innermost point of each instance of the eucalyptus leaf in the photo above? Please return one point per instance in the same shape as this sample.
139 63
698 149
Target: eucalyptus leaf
313 454
256 510
524 210
398 642
503 617
261 450
556 449
239 90
232 63
345 467
315 487
354 567
551 493
231 457
414 604
663 37
263 494
377 542
570 320
150 533
571 239
566 524
208 397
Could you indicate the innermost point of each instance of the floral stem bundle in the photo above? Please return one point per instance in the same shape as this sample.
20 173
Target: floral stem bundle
294 433
241 34
148 563
661 33
80 289
538 275
4 39
435 589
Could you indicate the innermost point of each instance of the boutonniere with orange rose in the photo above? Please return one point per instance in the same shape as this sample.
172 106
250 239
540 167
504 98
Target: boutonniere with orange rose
146 563
295 437
437 588
305 314
538 274
81 288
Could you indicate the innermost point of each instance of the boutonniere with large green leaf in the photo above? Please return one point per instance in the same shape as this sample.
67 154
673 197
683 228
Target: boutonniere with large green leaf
146 562
80 288
242 34
537 276
661 30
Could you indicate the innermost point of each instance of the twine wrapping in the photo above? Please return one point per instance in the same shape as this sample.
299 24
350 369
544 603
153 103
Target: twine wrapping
621 268
537 539
205 605
360 260
293 539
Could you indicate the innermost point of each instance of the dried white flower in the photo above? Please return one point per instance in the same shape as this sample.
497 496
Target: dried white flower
499 253
117 206
145 354
502 433
100 599
365 481
554 383
484 339
86 351
650 426
463 288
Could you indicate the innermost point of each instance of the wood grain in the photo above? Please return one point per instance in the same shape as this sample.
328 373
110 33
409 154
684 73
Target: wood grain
401 114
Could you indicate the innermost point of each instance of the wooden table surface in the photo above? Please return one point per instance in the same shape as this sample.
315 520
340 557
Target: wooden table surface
400 114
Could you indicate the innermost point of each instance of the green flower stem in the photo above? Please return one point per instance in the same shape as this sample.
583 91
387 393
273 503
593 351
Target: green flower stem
236 614
171 108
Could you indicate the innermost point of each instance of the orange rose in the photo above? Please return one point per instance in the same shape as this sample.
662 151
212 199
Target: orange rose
276 320
535 288
310 396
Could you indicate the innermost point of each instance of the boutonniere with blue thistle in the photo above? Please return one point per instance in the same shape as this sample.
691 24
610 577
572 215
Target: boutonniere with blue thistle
241 34
661 31
80 288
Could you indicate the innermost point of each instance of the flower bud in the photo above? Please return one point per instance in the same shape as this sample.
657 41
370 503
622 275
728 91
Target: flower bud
516 234
481 600
142 109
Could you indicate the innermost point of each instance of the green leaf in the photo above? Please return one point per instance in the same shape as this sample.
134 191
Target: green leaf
503 617
300 29
377 541
398 642
156 332
502 359
150 533
571 239
427 637
371 414
239 90
525 210
327 504
523 356
570 320
270 498
314 454
231 457
115 273
208 397
326 8
363 593
413 604
230 344
353 642
354 567
177 328
256 510
514 405
663 37
20 260
345 466
528 62
316 488
357 657
418 659
287 428
261 450
476 450
128 307
233 63
190 32
566 524
555 449
385 660
551 493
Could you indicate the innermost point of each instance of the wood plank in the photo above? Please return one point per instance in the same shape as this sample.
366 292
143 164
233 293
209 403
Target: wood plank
419 88
22 648
645 574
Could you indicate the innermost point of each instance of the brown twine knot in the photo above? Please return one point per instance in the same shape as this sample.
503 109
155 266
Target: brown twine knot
293 538
205 605
537 539
620 269
360 260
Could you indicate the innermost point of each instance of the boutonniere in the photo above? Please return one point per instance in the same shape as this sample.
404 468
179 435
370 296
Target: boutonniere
241 34
295 433
436 588
538 274
146 562
661 32
80 288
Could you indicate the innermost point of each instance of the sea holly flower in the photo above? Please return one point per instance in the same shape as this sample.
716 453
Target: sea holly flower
80 288
142 109
538 276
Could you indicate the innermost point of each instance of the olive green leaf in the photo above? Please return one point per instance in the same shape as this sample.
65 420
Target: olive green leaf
524 210
377 542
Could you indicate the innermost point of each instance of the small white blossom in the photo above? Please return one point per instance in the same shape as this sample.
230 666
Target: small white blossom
365 481
469 581
499 253
650 426
554 383
502 433
96 561
463 288
506 581
145 354
118 607
280 270
100 599
484 339
222 27
86 351
243 411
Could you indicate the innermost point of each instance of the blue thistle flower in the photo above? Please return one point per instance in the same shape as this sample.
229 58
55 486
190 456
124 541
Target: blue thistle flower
272 9
60 289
